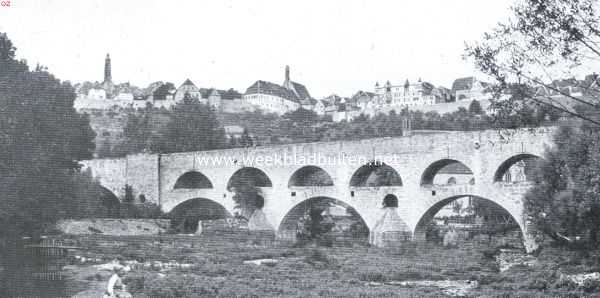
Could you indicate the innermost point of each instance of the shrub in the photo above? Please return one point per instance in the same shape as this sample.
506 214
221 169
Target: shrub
591 285
372 277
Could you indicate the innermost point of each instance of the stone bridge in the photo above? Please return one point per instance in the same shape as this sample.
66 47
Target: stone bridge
343 170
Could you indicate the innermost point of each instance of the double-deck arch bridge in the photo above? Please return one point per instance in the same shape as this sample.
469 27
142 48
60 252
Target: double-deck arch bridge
344 171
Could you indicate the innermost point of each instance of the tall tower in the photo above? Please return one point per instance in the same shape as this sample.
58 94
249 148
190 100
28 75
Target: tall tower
107 74
286 83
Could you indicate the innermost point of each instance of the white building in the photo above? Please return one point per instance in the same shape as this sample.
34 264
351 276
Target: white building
274 98
97 93
405 95
469 89
187 88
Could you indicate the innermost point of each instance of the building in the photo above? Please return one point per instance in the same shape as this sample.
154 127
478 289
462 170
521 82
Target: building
280 99
233 131
105 95
362 99
187 88
470 89
405 95
107 84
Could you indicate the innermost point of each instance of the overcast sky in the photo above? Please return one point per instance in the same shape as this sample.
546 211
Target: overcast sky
331 46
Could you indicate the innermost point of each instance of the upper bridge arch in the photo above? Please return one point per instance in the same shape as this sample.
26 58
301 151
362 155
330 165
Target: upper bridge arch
192 180
249 176
517 168
310 176
375 174
452 168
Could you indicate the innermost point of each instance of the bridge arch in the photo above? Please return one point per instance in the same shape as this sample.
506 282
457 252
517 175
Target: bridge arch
192 180
249 176
517 168
109 200
450 169
510 219
375 174
294 218
185 215
310 176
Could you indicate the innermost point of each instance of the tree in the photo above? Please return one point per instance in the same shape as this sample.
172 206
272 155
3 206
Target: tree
475 108
298 124
188 126
564 203
246 139
41 139
247 198
546 40
193 126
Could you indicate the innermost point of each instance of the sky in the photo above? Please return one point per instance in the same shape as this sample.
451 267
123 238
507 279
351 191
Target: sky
331 46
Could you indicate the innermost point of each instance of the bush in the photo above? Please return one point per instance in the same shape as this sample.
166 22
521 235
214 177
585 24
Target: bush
146 210
319 258
372 277
591 285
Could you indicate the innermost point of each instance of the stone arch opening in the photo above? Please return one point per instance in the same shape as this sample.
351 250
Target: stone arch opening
518 168
447 172
465 218
324 220
246 185
192 180
310 176
109 201
248 176
390 200
375 174
185 217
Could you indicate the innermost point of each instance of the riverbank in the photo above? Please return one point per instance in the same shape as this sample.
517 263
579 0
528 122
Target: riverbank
221 268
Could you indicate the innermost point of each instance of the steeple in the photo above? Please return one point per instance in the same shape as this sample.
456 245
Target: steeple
287 84
107 70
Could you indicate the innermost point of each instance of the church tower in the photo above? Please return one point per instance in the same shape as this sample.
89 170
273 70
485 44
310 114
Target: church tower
107 70
287 83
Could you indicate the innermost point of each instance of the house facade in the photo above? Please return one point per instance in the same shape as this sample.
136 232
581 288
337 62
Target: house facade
274 98
405 95
469 89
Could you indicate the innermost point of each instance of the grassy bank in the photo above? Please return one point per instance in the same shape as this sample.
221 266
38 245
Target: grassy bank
217 270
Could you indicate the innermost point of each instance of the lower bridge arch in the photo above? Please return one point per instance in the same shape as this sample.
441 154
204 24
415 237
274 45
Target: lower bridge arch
323 218
486 217
187 214
108 200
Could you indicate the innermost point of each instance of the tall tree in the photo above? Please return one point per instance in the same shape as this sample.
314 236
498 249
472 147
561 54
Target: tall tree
193 127
544 42
565 203
41 139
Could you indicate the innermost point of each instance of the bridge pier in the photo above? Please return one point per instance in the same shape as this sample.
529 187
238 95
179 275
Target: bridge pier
411 159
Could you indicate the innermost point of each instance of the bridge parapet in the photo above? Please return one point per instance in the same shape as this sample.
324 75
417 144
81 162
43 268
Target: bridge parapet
483 152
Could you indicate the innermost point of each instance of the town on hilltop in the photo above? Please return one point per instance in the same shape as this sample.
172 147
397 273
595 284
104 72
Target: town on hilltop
289 96
271 97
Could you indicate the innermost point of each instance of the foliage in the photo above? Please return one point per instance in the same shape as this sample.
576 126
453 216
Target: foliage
543 42
565 202
247 197
475 108
193 127
41 139
188 126
337 272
